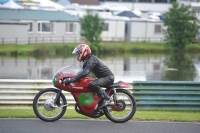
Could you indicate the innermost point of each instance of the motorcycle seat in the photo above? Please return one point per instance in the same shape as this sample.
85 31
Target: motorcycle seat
115 85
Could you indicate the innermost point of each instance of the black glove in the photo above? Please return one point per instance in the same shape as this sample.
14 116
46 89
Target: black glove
66 81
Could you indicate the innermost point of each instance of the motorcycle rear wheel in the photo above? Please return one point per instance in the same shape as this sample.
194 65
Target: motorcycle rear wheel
126 109
44 107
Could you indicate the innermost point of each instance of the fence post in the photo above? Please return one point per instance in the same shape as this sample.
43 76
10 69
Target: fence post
2 41
16 40
63 39
35 40
42 40
29 39
50 39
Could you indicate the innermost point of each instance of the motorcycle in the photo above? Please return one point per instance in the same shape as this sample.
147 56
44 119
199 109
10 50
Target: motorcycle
50 104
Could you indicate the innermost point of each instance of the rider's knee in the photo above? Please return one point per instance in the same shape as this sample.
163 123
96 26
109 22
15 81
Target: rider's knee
90 86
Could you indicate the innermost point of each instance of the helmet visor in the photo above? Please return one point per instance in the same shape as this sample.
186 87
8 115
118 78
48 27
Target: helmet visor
77 50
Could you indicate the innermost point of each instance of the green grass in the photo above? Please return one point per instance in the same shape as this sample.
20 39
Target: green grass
8 48
32 47
107 48
180 116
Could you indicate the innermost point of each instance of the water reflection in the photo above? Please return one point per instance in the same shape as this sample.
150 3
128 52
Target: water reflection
129 69
180 67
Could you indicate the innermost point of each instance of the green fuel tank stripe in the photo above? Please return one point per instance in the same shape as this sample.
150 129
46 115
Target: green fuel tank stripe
86 99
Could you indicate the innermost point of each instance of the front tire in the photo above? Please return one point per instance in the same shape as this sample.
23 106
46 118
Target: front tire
44 107
125 110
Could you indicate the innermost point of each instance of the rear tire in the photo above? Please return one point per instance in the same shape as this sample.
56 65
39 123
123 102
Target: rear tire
126 110
44 107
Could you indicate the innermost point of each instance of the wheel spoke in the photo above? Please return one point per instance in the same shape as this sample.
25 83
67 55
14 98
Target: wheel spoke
125 108
54 112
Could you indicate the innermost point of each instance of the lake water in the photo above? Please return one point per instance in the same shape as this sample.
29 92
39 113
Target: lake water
133 68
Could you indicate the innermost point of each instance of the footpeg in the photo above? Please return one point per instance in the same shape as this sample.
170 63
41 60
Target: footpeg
60 106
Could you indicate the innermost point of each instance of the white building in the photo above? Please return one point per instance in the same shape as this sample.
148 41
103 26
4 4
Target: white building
148 31
142 5
37 26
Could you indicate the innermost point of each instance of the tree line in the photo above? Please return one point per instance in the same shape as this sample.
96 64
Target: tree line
181 22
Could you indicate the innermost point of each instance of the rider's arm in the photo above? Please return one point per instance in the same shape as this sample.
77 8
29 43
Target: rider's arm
82 74
88 67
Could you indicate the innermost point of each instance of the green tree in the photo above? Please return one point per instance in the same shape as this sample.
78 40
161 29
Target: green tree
92 26
182 25
184 67
54 0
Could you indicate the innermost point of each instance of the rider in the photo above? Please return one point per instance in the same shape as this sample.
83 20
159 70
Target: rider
93 64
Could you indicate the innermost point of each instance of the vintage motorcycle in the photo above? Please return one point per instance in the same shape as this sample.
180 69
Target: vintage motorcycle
50 104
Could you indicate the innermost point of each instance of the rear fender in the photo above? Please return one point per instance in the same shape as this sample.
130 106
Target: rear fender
124 85
118 85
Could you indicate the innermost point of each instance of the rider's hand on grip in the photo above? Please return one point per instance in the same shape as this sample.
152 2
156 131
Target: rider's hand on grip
66 81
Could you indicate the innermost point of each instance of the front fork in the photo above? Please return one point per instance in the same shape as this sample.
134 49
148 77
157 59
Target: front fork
57 99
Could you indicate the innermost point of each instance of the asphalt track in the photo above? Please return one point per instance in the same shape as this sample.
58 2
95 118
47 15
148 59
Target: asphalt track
94 126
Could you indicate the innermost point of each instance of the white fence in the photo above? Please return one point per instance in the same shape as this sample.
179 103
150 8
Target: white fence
19 93
63 39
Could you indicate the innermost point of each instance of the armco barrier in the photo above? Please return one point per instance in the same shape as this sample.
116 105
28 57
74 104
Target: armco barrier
20 93
167 95
149 95
17 93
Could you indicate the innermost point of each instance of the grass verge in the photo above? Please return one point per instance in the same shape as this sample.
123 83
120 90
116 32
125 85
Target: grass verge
51 50
178 116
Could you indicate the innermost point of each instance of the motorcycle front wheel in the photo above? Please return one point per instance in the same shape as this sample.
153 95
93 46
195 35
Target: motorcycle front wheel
44 106
125 108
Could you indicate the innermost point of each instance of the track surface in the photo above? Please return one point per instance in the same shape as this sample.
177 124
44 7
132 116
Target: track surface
94 126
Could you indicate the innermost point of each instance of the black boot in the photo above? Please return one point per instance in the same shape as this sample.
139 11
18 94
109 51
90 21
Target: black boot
106 99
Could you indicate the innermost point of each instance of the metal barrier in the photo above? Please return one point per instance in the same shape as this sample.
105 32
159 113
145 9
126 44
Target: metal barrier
20 93
149 95
167 95
17 93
